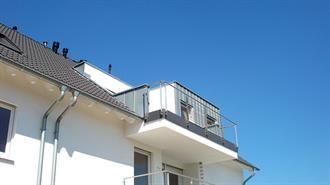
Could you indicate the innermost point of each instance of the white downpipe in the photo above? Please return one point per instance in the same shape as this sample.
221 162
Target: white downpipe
63 89
75 95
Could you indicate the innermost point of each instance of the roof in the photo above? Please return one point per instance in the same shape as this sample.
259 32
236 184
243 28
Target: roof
41 60
246 163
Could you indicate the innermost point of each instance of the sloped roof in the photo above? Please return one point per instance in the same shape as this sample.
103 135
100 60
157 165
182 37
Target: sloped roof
29 54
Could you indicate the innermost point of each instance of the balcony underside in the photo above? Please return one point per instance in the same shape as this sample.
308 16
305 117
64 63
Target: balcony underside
179 142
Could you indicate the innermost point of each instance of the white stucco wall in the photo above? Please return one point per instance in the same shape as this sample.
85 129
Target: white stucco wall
164 98
224 173
102 78
17 91
93 147
191 170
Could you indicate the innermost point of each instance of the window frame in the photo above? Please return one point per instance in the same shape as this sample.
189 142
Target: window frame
4 41
148 154
184 111
189 109
212 119
10 132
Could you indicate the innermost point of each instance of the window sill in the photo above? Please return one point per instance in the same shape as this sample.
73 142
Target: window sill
7 160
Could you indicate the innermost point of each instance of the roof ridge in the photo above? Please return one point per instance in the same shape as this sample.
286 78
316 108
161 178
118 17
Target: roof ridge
35 41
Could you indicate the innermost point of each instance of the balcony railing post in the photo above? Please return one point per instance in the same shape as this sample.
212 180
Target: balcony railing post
236 136
165 88
134 106
161 95
167 177
205 130
144 105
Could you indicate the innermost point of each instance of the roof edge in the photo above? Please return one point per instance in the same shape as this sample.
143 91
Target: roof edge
103 71
25 68
246 163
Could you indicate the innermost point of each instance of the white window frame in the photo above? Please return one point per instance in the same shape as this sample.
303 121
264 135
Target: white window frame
170 168
10 134
212 119
190 111
148 154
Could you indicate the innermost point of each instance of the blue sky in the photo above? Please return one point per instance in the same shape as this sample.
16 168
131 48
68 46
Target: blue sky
266 64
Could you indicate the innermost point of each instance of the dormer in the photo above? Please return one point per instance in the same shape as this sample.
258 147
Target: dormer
106 80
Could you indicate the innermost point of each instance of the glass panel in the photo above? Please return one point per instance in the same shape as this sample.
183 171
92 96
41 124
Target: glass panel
135 100
141 166
4 125
174 179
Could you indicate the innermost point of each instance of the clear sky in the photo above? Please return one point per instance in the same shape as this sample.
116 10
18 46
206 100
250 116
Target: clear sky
266 63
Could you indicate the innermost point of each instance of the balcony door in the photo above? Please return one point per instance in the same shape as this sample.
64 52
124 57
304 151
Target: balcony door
173 176
141 166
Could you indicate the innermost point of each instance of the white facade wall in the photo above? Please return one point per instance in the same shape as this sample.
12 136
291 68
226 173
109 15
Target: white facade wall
192 170
103 79
162 99
20 167
93 147
223 173
93 150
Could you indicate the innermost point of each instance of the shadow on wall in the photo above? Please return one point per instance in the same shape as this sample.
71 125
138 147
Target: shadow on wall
96 135
83 130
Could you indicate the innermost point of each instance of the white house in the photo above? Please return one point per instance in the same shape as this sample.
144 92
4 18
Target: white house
68 122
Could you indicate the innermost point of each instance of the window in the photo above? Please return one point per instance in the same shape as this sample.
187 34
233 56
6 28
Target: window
175 177
141 166
6 127
4 41
186 111
213 126
210 121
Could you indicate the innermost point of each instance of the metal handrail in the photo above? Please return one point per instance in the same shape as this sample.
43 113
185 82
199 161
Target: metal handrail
188 177
131 90
196 100
221 126
223 121
144 175
166 172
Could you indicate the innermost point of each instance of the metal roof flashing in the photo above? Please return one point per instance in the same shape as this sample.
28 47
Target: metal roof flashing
246 163
103 71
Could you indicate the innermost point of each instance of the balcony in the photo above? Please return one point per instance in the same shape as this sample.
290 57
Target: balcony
163 178
176 118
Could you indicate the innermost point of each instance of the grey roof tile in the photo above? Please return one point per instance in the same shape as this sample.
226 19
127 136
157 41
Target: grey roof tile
42 60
